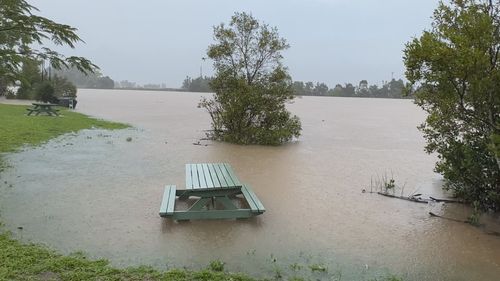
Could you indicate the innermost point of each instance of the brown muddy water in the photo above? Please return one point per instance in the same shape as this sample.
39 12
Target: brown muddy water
95 192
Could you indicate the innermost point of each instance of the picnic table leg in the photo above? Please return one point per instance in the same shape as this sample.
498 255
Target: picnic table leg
226 202
184 195
202 202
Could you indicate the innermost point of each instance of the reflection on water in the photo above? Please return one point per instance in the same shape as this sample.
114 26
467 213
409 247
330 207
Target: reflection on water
99 193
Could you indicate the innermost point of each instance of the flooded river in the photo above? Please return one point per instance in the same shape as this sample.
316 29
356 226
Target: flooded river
98 193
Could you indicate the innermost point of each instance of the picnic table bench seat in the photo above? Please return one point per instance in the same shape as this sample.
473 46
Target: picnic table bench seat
210 183
252 199
168 202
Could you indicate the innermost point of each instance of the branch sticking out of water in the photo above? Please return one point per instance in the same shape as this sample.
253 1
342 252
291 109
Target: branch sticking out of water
409 198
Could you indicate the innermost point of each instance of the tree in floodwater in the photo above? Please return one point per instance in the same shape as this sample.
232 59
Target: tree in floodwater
251 85
21 31
455 69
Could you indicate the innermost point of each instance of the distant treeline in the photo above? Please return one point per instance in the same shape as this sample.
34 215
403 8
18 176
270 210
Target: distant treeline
81 80
390 89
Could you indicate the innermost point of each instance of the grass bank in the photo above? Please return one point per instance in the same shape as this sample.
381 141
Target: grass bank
17 129
34 262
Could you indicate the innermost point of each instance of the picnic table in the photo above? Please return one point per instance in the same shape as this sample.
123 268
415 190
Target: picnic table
214 185
40 107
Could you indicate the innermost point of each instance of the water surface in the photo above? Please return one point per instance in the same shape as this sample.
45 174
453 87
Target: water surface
95 191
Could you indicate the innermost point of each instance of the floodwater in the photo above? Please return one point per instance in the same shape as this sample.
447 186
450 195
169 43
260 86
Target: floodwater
96 192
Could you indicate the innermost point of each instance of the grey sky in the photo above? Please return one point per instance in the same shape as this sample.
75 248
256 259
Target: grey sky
161 41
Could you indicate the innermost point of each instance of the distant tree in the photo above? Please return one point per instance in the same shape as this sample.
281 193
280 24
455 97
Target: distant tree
63 87
455 68
186 83
308 88
321 89
373 90
363 84
104 83
338 90
396 88
384 91
298 87
363 90
200 84
349 90
21 30
251 85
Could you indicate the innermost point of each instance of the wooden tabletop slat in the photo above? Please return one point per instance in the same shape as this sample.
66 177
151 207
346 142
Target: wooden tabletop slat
220 176
201 176
208 177
189 181
213 174
195 176
228 179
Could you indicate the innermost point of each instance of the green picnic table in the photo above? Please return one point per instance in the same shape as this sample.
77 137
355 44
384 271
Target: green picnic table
39 107
213 186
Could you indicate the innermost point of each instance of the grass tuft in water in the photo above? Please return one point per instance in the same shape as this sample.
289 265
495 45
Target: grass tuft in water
216 265
318 268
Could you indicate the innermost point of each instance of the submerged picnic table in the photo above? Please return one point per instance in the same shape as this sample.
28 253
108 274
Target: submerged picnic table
39 107
214 183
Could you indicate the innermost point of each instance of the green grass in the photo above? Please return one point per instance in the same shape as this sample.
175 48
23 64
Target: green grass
17 129
33 262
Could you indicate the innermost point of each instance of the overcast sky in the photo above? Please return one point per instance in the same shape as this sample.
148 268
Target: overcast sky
162 41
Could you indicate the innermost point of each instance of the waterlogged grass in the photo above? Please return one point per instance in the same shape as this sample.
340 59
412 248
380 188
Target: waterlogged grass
17 129
33 262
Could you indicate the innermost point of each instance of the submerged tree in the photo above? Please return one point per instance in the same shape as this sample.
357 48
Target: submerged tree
20 29
456 70
251 85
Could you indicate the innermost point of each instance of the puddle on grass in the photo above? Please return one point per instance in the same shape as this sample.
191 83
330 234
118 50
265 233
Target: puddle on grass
98 192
